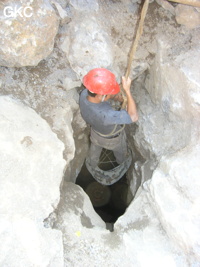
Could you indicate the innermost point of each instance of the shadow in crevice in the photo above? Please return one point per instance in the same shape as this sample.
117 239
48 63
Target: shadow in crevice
109 202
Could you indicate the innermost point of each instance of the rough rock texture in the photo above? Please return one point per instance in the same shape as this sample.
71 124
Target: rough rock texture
85 5
92 40
138 239
188 16
31 170
170 108
168 103
174 192
168 135
25 41
87 45
43 88
144 238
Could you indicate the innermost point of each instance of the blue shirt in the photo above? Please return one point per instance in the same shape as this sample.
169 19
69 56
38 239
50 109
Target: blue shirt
101 116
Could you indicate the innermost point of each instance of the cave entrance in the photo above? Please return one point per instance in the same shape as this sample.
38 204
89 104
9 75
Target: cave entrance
109 201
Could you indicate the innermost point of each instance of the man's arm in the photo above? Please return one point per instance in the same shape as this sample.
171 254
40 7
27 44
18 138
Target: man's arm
131 106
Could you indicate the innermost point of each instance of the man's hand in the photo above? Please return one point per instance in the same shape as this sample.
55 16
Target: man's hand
126 85
131 106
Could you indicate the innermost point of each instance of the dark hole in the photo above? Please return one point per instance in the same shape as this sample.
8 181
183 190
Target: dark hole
109 202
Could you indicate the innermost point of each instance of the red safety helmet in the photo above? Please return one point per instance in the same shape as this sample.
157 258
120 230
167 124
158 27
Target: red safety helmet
101 81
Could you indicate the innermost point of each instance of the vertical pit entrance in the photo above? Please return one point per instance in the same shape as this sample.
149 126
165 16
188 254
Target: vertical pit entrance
109 202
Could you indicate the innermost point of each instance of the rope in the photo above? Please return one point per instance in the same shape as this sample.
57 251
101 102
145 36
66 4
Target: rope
113 131
134 46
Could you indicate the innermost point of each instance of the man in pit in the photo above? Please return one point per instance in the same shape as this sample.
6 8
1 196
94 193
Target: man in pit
106 123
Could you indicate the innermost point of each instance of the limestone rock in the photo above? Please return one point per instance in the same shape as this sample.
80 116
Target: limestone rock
166 5
178 81
138 238
169 109
31 170
86 241
144 240
64 16
26 37
74 198
188 16
85 5
174 192
87 45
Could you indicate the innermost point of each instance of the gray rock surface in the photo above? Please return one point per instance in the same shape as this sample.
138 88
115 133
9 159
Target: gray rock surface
169 108
188 16
26 37
85 5
161 226
174 193
87 45
138 238
31 170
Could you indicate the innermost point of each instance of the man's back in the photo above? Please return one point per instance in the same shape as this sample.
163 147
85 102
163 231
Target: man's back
101 116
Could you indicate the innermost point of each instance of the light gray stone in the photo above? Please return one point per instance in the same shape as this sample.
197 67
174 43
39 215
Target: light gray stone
26 38
87 45
174 192
176 85
144 240
64 16
166 5
138 238
85 5
188 16
31 170
169 109
70 84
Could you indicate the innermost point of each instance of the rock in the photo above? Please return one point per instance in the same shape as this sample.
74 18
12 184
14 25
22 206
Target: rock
174 193
64 16
177 83
62 3
80 226
25 242
87 45
70 84
169 109
74 198
85 5
31 171
86 241
143 239
188 16
138 238
26 37
166 5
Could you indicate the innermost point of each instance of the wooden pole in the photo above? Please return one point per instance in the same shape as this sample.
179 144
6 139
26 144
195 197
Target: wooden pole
134 46
137 38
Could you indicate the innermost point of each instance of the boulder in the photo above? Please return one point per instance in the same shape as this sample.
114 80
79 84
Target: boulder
87 45
143 238
188 16
27 32
169 107
31 171
174 193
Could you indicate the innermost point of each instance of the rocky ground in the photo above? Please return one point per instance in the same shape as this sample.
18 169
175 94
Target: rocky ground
43 59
